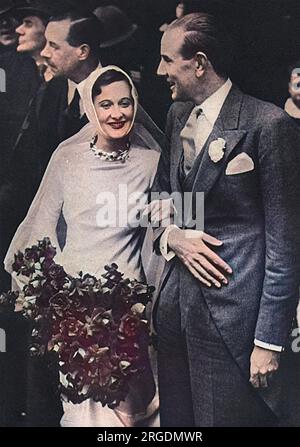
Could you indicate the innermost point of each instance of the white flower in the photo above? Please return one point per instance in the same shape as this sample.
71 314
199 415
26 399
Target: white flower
124 364
216 150
138 308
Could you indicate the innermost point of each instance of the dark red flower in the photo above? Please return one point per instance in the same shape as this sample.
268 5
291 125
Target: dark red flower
130 326
96 327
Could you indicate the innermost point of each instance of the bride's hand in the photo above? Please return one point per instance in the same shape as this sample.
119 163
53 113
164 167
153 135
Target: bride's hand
159 210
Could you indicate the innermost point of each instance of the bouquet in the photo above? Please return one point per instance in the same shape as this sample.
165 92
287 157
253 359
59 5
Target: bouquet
97 327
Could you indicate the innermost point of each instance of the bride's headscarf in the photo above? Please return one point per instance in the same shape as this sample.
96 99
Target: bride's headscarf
142 134
143 131
88 102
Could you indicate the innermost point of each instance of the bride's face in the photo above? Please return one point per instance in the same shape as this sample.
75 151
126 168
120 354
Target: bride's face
114 108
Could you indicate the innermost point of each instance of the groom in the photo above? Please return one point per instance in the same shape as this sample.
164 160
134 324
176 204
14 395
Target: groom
219 348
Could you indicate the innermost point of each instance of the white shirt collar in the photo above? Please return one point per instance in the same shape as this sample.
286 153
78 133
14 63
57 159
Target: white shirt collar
291 108
212 106
72 86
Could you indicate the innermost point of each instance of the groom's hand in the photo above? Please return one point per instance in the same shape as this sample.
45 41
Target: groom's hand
203 263
263 364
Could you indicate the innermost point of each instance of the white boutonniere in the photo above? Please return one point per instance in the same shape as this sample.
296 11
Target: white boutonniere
216 150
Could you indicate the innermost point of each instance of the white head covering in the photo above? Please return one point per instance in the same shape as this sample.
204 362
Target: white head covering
35 226
87 99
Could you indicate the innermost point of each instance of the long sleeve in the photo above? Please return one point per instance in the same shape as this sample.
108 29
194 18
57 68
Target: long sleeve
279 163
23 174
44 212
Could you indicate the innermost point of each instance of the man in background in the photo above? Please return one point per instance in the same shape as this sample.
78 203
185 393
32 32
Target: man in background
292 105
8 24
48 112
25 72
34 17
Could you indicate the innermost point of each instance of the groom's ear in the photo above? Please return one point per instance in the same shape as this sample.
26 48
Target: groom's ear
201 62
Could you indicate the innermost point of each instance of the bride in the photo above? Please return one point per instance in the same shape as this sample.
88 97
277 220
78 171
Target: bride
98 180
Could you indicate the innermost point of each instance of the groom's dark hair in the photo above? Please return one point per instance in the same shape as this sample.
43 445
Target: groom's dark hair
203 32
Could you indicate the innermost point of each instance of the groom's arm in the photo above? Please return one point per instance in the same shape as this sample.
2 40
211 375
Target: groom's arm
279 169
279 166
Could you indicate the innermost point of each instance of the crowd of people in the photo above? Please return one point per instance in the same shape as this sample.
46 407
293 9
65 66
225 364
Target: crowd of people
72 127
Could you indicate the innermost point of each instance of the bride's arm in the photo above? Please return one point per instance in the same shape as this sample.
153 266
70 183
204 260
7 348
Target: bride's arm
44 212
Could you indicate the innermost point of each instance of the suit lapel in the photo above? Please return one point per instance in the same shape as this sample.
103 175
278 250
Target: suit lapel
205 172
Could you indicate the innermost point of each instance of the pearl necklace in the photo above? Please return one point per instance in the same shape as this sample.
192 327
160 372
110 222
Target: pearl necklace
109 156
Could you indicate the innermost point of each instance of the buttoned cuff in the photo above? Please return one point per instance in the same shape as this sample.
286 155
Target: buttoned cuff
269 346
163 244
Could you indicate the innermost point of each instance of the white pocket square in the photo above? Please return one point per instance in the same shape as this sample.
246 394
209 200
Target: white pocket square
240 164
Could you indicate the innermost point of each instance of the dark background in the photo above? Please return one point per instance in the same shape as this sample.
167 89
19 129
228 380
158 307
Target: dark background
266 35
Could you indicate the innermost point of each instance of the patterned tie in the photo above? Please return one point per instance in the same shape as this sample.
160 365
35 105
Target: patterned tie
189 137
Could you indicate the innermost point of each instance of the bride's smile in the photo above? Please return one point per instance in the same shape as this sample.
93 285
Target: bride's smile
114 109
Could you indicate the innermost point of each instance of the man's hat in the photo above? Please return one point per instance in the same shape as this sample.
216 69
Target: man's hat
116 26
6 6
41 8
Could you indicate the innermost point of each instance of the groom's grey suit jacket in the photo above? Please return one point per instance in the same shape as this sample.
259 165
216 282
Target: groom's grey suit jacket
256 214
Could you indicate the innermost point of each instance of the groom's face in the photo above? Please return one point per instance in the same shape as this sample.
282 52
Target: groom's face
180 73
